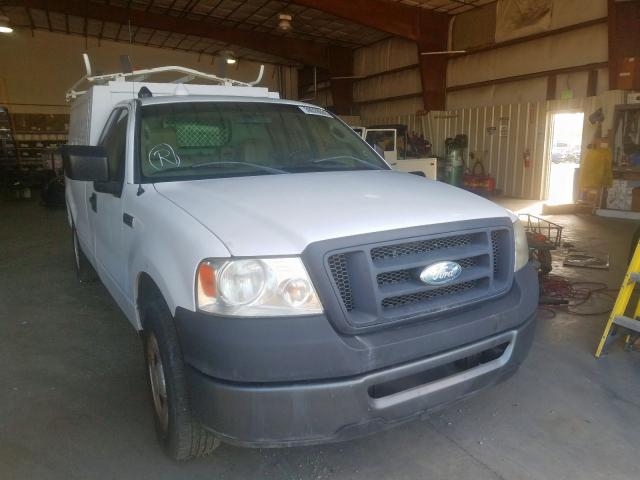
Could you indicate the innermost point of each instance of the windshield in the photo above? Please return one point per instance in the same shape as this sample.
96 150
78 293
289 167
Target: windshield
180 141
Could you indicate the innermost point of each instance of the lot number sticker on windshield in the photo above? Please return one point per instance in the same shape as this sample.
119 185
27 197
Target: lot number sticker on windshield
315 111
162 156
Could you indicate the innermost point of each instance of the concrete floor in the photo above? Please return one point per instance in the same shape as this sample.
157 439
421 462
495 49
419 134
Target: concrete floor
74 405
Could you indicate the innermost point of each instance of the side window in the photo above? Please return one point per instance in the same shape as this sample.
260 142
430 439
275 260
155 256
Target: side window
381 138
113 116
115 143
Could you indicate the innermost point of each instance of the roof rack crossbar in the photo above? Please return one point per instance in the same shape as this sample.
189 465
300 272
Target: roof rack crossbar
189 74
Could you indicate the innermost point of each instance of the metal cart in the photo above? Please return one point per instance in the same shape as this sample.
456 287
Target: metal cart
543 236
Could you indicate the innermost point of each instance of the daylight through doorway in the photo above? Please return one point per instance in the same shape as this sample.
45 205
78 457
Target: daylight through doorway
566 145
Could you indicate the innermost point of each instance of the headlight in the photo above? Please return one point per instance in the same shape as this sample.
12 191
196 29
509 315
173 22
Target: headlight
241 282
521 245
256 287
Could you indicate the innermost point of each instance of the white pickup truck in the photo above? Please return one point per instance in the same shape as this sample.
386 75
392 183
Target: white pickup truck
290 287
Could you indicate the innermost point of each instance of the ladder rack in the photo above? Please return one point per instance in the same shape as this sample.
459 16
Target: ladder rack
188 74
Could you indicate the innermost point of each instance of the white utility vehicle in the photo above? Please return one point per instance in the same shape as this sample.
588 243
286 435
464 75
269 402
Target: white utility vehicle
393 143
290 288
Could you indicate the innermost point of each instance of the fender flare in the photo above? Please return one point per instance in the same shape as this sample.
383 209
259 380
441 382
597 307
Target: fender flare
157 280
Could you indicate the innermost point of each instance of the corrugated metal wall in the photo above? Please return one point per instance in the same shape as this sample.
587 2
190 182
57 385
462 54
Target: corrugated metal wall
371 93
503 135
500 136
392 83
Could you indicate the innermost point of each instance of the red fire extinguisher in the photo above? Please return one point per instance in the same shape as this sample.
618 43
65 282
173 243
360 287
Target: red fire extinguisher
526 155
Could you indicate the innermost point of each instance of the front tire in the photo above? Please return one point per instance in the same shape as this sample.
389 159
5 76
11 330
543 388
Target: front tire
180 435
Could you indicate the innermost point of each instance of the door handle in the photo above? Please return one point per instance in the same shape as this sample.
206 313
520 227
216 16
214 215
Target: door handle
127 219
93 200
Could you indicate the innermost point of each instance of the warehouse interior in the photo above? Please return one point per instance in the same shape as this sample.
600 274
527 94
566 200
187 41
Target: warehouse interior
532 104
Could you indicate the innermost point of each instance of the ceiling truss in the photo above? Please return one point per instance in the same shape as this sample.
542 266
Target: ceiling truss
158 23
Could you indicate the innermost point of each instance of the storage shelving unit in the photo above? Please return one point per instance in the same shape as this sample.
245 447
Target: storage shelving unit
38 136
30 147
624 196
35 149
8 150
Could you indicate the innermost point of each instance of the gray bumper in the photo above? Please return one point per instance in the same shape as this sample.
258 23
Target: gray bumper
304 413
287 350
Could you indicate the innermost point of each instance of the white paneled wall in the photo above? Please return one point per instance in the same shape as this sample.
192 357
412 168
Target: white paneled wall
398 83
384 56
388 55
499 135
384 108
530 90
503 134
584 46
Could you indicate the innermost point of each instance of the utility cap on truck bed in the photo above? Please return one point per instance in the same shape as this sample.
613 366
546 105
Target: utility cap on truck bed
92 105
187 75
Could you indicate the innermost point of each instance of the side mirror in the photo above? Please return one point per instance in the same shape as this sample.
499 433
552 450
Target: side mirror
86 163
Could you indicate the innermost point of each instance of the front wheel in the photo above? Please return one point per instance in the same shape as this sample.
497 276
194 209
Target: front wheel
181 436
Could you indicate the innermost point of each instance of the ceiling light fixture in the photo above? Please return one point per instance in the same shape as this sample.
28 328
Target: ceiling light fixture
284 22
5 26
229 57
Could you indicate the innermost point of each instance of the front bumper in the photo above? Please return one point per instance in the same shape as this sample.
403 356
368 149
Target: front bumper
306 413
286 381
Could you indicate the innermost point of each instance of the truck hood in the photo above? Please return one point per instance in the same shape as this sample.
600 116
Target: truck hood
282 214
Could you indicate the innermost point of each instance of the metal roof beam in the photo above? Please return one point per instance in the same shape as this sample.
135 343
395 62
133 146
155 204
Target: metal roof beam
394 18
300 51
429 29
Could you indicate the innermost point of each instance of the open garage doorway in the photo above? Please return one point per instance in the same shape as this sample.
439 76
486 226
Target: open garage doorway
565 150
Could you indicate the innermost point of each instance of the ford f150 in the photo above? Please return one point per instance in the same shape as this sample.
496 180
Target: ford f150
289 286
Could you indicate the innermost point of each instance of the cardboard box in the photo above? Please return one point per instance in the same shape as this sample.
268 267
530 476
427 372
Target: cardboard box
635 199
620 195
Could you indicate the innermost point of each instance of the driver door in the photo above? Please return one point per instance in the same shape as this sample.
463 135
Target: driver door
106 208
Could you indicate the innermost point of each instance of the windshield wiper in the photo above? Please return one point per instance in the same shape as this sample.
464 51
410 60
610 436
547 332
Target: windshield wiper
215 164
337 158
246 164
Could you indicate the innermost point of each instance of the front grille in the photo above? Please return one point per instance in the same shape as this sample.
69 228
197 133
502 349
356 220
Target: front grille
389 278
495 250
412 248
400 300
380 282
399 276
338 269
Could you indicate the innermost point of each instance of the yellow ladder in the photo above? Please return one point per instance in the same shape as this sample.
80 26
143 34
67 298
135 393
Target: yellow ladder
617 317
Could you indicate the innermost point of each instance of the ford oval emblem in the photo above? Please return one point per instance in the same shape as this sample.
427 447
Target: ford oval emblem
440 273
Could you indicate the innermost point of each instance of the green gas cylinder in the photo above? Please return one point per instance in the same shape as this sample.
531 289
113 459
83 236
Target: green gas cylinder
454 167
